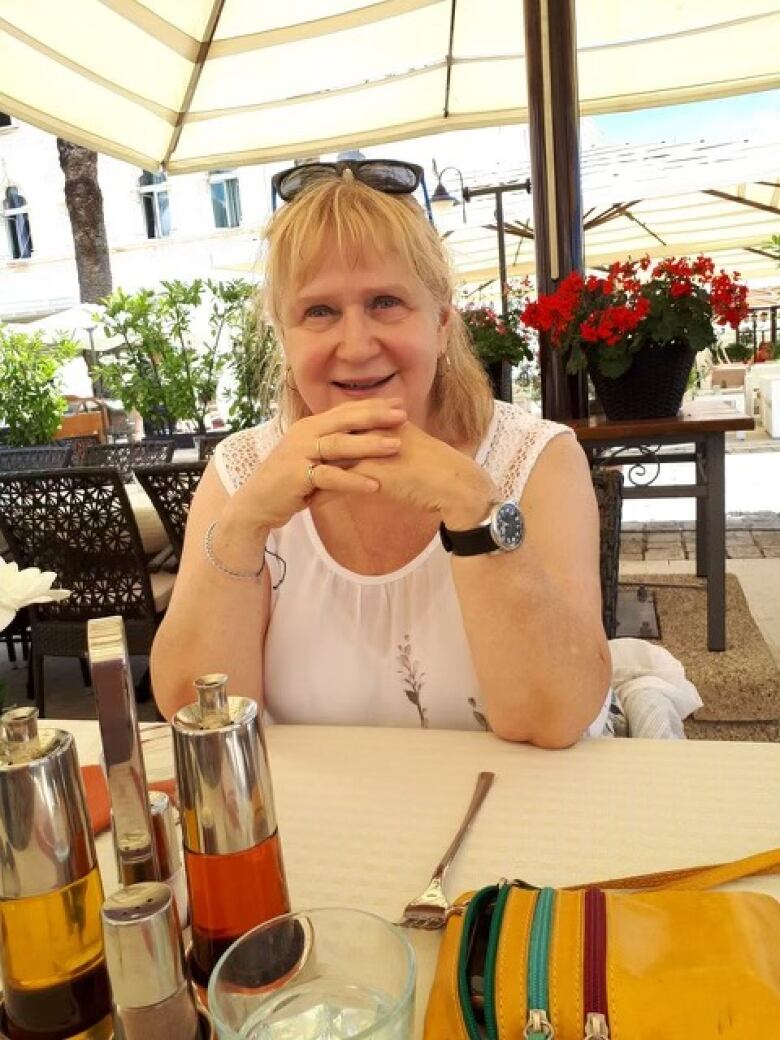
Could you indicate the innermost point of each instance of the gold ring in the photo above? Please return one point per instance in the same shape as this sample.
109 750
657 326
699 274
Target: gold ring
310 476
319 450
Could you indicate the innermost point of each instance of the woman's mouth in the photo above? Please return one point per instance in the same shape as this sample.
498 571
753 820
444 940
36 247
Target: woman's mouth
362 386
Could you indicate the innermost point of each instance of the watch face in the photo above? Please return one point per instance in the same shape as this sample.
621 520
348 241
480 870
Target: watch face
507 526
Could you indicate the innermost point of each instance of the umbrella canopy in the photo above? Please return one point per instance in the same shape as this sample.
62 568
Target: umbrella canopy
210 83
722 199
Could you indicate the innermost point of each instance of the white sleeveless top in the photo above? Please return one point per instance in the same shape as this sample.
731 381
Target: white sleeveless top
386 650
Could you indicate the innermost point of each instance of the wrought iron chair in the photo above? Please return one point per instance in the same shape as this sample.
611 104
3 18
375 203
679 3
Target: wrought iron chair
171 489
207 443
79 524
79 446
13 460
125 457
608 485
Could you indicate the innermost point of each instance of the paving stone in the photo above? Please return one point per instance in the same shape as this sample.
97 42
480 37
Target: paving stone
632 525
631 554
668 552
771 550
632 541
663 538
743 552
764 538
740 537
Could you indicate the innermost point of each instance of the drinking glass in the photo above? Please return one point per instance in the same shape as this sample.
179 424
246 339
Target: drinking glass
328 974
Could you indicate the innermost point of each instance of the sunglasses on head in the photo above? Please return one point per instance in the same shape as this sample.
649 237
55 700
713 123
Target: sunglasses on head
388 175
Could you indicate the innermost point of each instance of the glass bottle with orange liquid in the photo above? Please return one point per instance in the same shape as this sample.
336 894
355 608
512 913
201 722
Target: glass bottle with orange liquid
235 873
51 945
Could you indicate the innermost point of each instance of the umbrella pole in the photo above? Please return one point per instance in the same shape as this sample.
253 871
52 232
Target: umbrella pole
553 118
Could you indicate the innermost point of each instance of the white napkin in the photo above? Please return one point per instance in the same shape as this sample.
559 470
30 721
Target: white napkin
652 689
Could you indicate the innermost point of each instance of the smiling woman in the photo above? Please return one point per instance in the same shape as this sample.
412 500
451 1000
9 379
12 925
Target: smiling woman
432 539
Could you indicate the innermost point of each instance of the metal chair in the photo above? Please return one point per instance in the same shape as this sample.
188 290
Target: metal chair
13 460
78 446
79 524
207 443
125 457
171 489
608 485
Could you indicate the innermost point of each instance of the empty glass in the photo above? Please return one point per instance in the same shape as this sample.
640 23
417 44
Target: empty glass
330 974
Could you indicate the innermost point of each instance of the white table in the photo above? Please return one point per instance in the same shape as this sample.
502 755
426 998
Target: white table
364 814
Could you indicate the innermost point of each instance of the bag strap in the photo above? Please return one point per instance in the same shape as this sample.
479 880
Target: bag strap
699 877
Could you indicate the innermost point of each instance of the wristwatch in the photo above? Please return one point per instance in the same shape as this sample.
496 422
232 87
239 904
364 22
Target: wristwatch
502 531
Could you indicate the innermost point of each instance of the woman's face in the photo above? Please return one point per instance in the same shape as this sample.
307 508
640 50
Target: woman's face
365 329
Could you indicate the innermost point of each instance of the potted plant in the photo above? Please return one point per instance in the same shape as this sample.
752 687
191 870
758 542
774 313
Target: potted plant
500 342
31 404
637 330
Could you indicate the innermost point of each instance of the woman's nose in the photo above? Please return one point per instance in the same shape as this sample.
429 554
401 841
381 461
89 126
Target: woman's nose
357 340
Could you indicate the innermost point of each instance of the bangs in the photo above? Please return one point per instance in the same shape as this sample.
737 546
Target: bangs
360 224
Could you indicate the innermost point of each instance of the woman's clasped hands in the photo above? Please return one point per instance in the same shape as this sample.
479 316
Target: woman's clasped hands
361 447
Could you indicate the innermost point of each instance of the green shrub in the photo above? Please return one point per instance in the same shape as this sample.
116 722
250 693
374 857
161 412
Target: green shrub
31 404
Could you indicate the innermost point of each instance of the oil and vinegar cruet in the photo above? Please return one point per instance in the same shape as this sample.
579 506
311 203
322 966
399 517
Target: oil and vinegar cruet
232 855
51 945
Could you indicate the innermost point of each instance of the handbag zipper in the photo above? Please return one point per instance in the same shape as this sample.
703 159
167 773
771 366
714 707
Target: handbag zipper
538 1026
595 966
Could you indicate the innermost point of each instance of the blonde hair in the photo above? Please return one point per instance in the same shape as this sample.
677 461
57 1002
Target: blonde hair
361 220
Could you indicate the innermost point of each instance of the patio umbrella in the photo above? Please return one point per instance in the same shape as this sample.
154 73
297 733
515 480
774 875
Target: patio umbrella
213 83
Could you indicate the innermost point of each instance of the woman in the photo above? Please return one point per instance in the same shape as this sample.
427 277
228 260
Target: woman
387 430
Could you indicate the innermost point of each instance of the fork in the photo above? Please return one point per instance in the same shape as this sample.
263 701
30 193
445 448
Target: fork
430 909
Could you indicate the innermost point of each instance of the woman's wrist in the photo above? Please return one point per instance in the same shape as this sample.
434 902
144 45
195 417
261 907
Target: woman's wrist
238 543
470 503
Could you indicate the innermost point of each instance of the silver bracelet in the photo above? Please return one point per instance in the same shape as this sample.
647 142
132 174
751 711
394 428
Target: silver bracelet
208 549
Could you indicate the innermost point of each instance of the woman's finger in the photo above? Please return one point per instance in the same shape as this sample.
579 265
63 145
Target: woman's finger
375 413
331 478
340 447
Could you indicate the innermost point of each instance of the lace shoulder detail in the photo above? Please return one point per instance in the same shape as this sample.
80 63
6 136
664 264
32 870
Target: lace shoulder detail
516 443
241 453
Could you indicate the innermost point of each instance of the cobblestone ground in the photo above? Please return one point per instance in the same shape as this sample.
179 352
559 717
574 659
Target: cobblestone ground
749 536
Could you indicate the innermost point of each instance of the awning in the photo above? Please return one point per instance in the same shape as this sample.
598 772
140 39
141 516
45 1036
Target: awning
210 83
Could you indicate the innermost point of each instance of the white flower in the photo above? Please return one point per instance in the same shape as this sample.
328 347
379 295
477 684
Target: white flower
21 588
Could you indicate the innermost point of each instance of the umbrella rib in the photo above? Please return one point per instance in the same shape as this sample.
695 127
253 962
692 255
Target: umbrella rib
200 61
743 202
449 60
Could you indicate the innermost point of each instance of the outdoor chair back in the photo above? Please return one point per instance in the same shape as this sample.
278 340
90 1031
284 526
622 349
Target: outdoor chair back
79 524
207 442
125 457
78 446
170 489
608 485
15 460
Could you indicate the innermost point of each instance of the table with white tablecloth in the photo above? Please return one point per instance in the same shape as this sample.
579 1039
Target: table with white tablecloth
364 814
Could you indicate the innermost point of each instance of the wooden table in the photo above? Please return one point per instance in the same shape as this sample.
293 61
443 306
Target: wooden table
704 426
364 814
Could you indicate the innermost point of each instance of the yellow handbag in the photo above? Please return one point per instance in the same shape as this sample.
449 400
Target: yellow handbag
667 962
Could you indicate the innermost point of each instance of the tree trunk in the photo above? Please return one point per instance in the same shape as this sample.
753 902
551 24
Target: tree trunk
85 209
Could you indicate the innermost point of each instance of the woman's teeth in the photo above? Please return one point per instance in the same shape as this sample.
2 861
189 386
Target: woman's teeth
363 384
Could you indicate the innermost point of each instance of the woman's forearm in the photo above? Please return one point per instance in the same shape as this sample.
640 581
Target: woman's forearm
216 623
541 658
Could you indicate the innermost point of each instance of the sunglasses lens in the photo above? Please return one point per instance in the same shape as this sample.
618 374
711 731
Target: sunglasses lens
294 181
389 178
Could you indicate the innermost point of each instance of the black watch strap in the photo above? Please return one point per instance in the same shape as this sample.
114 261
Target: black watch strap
475 542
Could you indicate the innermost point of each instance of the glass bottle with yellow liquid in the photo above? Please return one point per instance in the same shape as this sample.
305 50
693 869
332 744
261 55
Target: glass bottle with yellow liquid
55 984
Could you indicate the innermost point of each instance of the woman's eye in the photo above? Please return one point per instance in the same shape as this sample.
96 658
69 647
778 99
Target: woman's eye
386 302
319 310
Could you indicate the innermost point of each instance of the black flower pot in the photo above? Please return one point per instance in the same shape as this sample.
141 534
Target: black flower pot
500 376
652 388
